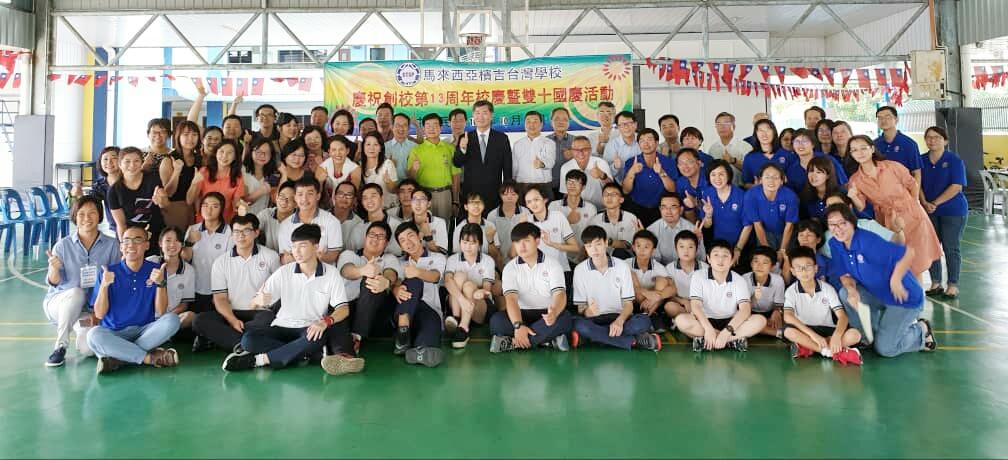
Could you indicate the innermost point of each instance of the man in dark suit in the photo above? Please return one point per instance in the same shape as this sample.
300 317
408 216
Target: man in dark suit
484 155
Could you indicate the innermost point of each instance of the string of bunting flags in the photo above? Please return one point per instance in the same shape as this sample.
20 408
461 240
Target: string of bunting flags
717 76
224 86
994 76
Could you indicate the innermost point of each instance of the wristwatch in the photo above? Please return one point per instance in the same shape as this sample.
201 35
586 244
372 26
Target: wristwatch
428 238
516 325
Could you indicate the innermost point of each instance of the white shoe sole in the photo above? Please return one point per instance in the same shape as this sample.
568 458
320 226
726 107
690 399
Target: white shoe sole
340 365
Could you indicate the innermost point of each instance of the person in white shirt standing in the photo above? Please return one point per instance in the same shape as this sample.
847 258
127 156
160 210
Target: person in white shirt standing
313 310
598 171
534 157
727 147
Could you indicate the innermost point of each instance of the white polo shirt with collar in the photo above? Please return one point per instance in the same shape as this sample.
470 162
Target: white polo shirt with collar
666 239
480 271
623 230
429 260
305 298
682 278
813 309
609 290
332 231
559 230
241 278
356 240
592 191
438 228
356 258
771 292
534 285
525 151
485 224
647 276
205 251
720 300
181 284
505 224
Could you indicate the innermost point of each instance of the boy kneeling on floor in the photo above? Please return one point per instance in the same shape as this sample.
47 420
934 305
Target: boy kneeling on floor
720 311
814 318
604 294
313 311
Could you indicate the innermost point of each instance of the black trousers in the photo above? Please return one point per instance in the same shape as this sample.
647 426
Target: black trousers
285 346
213 326
425 323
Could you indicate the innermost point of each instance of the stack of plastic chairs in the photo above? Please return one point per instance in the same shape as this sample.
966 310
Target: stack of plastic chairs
61 208
41 207
16 213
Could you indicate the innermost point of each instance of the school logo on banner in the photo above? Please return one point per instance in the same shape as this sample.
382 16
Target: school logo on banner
408 74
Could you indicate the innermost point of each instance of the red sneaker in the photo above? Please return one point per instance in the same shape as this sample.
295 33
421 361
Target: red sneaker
799 352
575 339
848 356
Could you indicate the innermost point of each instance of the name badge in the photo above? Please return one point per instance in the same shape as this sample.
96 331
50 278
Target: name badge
88 274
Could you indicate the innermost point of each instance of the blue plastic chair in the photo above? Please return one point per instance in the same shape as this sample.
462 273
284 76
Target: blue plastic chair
61 208
15 212
41 208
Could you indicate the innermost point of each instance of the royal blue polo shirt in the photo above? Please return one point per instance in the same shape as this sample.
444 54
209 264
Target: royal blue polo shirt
648 186
772 214
754 161
902 149
131 300
727 219
871 261
705 160
936 177
797 176
682 187
816 209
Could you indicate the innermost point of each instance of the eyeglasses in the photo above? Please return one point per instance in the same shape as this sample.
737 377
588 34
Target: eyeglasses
586 149
801 141
135 240
612 195
669 207
419 200
802 268
375 236
627 124
836 224
244 232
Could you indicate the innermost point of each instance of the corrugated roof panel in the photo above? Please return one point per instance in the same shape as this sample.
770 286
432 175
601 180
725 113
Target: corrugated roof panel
17 28
981 20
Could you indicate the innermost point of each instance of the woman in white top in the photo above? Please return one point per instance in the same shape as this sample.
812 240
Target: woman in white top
338 167
260 175
378 169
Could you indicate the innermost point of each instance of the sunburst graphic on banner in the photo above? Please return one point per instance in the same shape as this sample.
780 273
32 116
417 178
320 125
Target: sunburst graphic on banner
616 68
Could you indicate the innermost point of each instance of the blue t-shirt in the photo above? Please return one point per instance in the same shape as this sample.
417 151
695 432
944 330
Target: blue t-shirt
772 214
727 221
754 161
131 300
648 186
682 186
871 261
797 176
902 149
936 177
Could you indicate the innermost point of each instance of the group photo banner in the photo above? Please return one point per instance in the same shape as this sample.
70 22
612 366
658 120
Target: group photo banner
417 88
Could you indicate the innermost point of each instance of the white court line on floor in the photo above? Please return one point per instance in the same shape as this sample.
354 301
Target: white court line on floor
959 310
29 272
20 276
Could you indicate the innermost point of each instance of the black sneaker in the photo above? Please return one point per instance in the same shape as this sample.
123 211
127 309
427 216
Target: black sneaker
108 365
460 338
239 362
501 343
57 358
428 356
740 344
659 323
648 341
402 340
698 344
201 344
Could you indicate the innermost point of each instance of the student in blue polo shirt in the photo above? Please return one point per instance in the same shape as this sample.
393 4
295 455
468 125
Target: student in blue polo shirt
771 209
798 171
822 182
73 266
876 272
647 176
896 146
127 296
721 208
769 151
943 178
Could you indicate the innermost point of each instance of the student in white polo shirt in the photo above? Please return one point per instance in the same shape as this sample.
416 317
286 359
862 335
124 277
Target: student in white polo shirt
372 202
237 276
306 195
418 314
620 225
271 218
720 311
669 225
505 217
604 294
814 318
558 241
433 229
370 274
313 304
681 272
767 290
652 283
205 242
575 208
344 207
469 279
474 208
179 275
535 296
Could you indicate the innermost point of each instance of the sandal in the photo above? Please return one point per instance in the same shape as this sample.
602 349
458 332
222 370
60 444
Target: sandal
934 292
929 341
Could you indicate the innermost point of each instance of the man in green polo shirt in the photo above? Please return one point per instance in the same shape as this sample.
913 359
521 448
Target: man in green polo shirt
430 163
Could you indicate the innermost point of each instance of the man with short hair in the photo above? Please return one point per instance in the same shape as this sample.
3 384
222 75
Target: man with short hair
344 210
534 157
625 146
266 115
318 117
127 297
372 200
418 312
236 277
369 274
596 170
484 155
313 311
383 118
668 124
896 146
399 146
430 163
560 119
600 138
306 195
728 148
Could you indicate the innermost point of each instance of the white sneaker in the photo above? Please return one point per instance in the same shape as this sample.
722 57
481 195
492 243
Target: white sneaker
450 324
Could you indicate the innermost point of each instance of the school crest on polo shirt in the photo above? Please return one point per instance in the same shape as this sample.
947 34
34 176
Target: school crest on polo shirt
545 274
262 264
944 164
782 160
782 207
860 258
728 294
734 207
824 301
896 148
181 286
217 246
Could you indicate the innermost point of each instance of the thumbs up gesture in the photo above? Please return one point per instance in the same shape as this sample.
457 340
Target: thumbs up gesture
194 236
637 166
177 165
415 168
107 277
537 163
853 193
370 269
464 142
157 275
54 262
596 172
388 175
160 198
242 207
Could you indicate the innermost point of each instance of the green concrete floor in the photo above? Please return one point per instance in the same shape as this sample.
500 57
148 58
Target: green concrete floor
588 403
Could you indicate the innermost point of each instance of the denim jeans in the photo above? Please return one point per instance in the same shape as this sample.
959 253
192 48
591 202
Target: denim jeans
597 329
950 231
132 343
896 328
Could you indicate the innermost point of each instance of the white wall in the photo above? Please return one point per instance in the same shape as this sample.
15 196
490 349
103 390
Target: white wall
67 102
